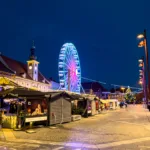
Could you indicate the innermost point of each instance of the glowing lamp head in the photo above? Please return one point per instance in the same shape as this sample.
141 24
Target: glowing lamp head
140 60
141 65
140 36
122 88
140 82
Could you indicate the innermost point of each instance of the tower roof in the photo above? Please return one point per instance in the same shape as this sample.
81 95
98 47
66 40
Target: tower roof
32 52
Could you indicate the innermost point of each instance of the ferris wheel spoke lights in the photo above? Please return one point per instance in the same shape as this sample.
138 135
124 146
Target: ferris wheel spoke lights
69 68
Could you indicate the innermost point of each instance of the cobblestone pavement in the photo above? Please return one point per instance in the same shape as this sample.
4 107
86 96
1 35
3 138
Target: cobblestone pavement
119 129
2 137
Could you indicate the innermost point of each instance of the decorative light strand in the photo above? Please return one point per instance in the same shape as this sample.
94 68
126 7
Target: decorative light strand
108 83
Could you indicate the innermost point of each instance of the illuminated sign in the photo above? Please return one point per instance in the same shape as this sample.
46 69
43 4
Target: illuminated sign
43 118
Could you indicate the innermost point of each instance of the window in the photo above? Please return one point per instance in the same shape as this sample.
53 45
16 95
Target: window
35 67
36 107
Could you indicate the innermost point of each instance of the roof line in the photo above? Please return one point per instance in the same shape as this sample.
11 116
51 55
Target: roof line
5 64
43 77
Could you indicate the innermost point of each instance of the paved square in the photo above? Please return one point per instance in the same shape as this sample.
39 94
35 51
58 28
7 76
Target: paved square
119 129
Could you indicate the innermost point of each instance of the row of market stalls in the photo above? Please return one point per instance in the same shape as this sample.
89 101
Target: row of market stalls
22 107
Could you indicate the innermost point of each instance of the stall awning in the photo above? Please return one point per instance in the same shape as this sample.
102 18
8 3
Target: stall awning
90 97
6 92
6 85
70 95
104 101
20 92
6 81
28 93
112 100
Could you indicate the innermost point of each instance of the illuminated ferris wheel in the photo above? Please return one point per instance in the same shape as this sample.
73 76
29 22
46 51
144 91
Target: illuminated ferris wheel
69 68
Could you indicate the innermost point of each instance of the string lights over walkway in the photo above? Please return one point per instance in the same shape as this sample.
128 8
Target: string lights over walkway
115 85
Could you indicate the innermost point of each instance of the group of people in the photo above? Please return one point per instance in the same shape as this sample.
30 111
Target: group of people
123 104
16 107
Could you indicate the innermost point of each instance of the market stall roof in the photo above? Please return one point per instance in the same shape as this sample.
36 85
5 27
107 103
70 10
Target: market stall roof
112 100
28 93
4 81
7 86
90 97
74 96
5 92
19 92
104 101
70 95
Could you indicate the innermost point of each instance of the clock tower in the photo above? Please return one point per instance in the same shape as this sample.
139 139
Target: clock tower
32 64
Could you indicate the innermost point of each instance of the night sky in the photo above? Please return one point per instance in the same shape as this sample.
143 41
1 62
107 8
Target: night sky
103 31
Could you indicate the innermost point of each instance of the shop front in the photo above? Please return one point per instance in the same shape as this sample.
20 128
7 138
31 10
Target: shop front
26 108
113 103
62 105
96 106
12 112
22 107
104 104
36 110
93 104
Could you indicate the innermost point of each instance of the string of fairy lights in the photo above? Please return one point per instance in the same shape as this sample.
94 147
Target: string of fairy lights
114 85
104 83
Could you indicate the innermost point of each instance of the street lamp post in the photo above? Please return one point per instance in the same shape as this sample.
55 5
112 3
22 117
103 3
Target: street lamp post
143 43
142 80
122 88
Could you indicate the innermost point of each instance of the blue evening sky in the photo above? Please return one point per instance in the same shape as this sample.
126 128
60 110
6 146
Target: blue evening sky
103 31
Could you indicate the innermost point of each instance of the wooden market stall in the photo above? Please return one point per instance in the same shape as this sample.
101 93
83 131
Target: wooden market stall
6 86
23 106
47 108
93 104
110 103
60 107
104 104
113 103
88 105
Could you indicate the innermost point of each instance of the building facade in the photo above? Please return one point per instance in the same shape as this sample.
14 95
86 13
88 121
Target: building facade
93 88
24 75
